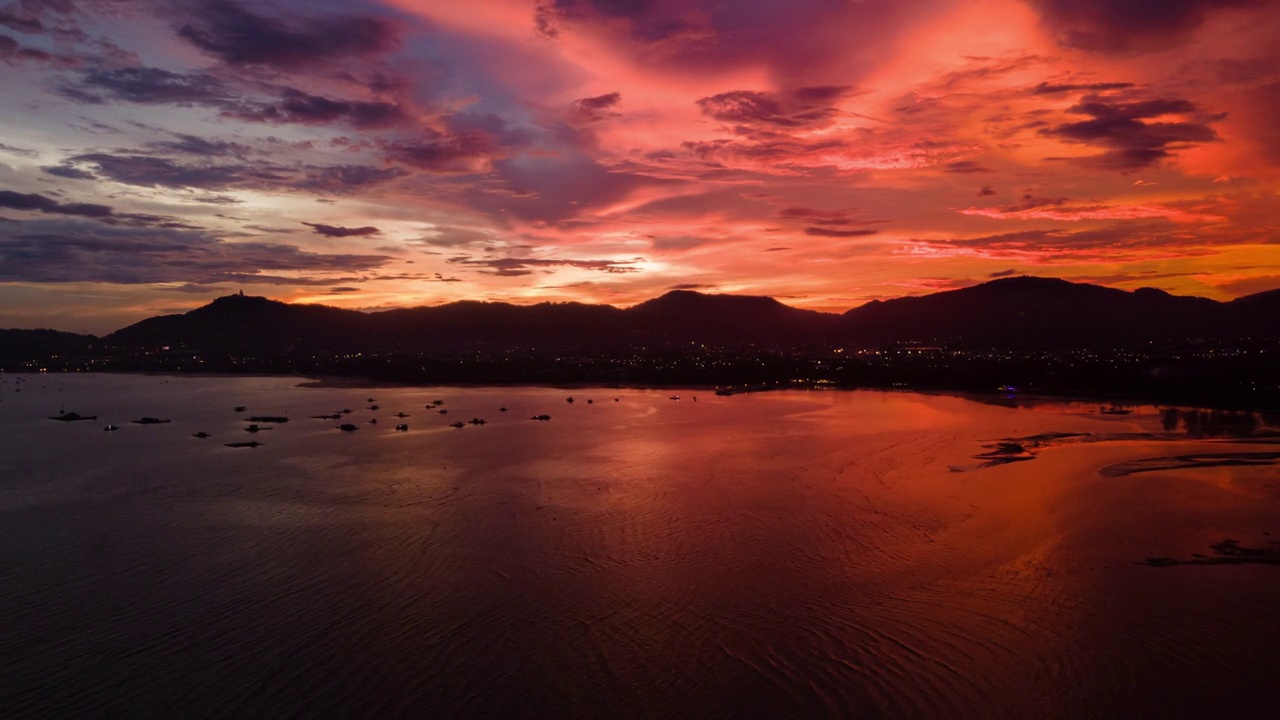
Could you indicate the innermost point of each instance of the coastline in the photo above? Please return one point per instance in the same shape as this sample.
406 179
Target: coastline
995 396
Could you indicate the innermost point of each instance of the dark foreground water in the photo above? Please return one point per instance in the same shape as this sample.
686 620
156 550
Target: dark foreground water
790 554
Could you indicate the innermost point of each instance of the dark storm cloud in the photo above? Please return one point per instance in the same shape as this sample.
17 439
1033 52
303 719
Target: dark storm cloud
828 232
827 218
789 109
146 171
302 108
147 85
237 36
12 52
1118 25
965 166
33 202
1046 88
337 231
193 145
346 178
1131 138
440 152
445 236
647 21
513 267
595 109
24 152
39 203
1111 243
1031 201
59 251
15 18
68 171
150 171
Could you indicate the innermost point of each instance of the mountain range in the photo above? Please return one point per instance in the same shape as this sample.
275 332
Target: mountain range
1010 312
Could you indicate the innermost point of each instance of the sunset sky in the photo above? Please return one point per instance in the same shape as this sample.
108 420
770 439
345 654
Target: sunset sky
155 154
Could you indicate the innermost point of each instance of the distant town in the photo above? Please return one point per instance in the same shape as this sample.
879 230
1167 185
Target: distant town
1006 338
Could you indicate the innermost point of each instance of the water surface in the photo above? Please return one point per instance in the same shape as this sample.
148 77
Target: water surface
785 554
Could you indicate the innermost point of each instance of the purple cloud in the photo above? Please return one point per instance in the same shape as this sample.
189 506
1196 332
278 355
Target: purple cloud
237 36
338 231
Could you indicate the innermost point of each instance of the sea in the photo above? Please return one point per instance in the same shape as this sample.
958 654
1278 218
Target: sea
642 553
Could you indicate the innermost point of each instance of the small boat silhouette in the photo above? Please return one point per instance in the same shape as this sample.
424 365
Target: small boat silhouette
477 421
149 421
251 443
457 425
540 417
72 417
239 408
111 428
402 428
348 427
202 435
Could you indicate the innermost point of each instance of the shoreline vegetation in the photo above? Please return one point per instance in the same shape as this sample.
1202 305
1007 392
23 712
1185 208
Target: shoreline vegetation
1114 403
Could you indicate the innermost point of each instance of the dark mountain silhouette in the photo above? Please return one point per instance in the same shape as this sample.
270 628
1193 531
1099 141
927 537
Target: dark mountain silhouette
688 316
240 324
470 322
1022 311
23 345
1011 312
1256 314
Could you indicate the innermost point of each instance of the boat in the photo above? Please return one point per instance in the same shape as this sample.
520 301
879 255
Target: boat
202 435
149 421
111 428
457 425
72 417
402 428
240 408
348 427
540 417
251 443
